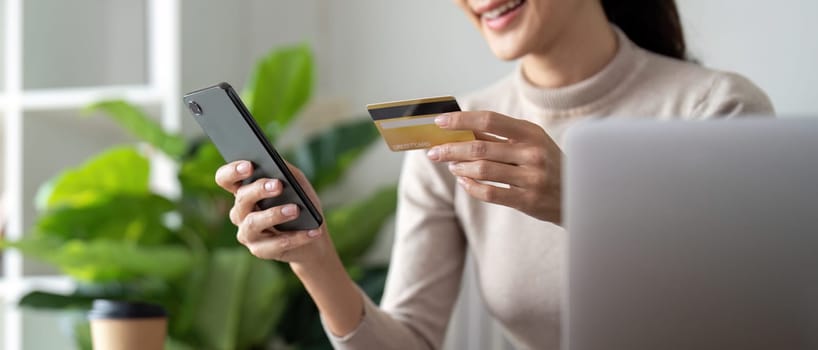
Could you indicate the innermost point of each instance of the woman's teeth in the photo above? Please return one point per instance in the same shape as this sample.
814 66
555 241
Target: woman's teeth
502 9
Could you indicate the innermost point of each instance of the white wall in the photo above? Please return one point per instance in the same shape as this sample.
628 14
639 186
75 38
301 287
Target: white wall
389 50
773 43
221 40
396 49
82 43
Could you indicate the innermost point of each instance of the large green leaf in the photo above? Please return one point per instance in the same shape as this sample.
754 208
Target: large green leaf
303 328
263 302
172 343
120 170
142 126
372 281
51 301
279 87
355 226
242 298
208 215
203 205
198 173
222 290
186 305
107 260
84 294
82 333
325 157
130 219
81 299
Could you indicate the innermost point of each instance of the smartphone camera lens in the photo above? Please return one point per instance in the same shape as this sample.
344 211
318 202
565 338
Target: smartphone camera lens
194 107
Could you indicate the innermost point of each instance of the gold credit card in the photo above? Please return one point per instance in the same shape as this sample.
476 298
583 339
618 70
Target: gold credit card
410 124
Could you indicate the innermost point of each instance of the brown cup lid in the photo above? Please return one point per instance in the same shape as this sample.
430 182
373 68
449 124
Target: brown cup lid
107 309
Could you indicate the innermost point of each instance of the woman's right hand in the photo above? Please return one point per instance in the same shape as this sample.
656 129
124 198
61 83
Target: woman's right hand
256 227
311 254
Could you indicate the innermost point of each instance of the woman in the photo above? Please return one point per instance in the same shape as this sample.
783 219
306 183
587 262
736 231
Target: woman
579 59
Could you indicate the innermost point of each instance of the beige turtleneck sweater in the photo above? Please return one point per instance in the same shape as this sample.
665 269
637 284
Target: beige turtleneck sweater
519 259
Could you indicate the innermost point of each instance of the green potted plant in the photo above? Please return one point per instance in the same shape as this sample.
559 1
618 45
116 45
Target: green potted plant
103 225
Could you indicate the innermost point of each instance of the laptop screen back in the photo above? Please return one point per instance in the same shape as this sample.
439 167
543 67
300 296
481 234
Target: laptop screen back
692 235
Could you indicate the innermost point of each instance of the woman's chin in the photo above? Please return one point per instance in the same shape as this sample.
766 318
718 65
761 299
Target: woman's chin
506 51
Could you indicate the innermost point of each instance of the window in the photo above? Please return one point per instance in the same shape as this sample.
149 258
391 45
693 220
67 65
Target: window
56 58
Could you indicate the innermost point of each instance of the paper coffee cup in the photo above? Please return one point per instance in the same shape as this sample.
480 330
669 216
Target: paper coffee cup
121 325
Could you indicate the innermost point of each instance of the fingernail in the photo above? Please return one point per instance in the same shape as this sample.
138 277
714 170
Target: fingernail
270 186
443 120
243 168
313 233
433 154
289 210
453 166
461 180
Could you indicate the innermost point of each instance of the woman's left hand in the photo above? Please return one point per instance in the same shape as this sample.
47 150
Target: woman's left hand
523 156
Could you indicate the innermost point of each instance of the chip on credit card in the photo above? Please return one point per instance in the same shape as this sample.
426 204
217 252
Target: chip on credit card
410 124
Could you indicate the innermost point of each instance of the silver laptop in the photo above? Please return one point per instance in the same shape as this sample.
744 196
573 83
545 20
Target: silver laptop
692 235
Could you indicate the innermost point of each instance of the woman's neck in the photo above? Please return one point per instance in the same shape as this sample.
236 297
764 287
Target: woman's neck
584 48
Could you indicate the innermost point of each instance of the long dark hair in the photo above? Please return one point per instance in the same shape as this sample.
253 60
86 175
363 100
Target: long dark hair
654 25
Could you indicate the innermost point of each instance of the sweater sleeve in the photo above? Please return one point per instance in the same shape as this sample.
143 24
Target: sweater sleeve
425 269
733 95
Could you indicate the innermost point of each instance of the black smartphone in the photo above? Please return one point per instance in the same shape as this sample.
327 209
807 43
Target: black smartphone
224 118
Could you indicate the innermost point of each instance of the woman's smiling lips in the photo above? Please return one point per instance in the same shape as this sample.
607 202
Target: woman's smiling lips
498 15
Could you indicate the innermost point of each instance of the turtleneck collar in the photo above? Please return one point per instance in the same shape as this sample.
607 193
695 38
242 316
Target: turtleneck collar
584 92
